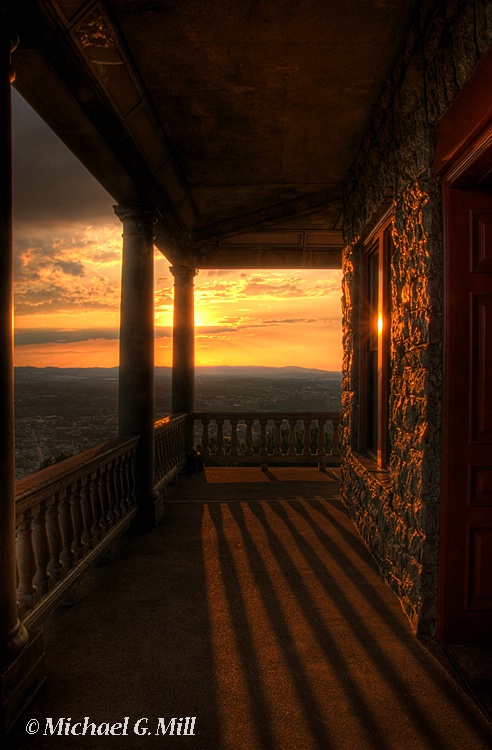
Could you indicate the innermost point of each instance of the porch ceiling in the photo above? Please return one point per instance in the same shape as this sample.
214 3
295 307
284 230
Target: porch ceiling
237 121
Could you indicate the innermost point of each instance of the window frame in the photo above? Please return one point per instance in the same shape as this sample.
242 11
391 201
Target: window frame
375 341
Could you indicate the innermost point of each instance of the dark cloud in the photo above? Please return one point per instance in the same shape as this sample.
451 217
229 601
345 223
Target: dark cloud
257 287
44 298
288 321
50 184
36 336
70 267
235 325
213 330
217 272
161 332
64 294
29 336
106 256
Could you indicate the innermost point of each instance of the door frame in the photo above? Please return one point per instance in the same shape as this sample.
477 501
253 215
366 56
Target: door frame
463 159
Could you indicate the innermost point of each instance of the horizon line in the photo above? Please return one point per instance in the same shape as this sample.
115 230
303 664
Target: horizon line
169 367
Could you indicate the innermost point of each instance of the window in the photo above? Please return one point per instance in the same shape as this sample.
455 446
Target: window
375 343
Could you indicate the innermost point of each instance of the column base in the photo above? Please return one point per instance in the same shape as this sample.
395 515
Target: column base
150 510
156 507
21 680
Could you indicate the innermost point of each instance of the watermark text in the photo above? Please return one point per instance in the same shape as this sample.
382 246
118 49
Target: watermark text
66 726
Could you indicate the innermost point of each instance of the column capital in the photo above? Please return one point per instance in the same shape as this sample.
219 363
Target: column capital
136 219
183 274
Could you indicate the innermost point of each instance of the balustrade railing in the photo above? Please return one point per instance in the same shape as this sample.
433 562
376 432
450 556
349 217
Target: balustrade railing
267 438
67 516
169 445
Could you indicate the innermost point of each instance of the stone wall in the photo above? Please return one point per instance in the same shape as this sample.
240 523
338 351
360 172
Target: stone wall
397 511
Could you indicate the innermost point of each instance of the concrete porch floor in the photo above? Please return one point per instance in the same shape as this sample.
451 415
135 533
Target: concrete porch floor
256 608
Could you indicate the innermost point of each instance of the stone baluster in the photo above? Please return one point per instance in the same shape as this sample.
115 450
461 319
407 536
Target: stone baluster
306 451
119 486
127 484
175 442
131 475
234 440
97 511
26 564
128 487
166 451
161 465
277 447
77 499
82 490
157 455
292 437
111 492
100 521
321 438
103 492
263 437
205 437
335 450
66 527
249 437
120 483
167 442
42 578
55 566
160 456
176 448
129 480
103 498
170 448
220 437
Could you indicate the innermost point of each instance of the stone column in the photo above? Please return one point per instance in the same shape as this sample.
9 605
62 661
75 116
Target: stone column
183 376
136 372
12 636
21 657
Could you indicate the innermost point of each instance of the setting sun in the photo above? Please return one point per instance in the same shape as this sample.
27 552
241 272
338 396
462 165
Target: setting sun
67 298
68 275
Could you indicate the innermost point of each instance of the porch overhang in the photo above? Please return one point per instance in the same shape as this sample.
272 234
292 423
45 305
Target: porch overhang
221 121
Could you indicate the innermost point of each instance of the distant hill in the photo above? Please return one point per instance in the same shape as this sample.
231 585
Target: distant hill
219 371
252 371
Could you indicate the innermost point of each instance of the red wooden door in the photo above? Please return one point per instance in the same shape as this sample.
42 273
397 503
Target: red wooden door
465 567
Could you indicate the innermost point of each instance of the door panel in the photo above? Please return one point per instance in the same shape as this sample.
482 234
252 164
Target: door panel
465 583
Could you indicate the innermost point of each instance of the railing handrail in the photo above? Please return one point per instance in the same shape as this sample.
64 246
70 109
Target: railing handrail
170 419
33 489
271 414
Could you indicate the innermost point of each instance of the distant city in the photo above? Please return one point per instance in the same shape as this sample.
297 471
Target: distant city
61 412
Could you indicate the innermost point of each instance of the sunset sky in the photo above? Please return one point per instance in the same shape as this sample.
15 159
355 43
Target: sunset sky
67 244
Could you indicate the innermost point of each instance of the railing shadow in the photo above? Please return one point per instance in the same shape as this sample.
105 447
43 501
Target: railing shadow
265 618
321 640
